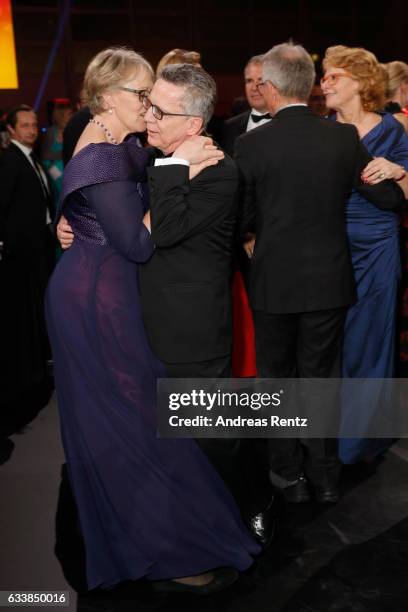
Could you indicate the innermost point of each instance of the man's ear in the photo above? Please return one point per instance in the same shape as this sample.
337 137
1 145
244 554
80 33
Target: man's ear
195 126
10 130
271 95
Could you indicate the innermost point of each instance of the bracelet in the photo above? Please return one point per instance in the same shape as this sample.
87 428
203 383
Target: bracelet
403 175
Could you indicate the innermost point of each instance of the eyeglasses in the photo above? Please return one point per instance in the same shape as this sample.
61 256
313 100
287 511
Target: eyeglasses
158 113
332 79
261 85
142 93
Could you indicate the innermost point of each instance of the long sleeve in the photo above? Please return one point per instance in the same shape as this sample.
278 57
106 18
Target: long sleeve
246 215
119 210
180 208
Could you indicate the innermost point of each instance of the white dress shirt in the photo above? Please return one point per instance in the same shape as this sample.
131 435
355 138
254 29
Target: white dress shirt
251 124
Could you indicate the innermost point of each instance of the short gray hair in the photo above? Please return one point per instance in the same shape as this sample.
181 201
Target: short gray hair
200 89
255 59
291 70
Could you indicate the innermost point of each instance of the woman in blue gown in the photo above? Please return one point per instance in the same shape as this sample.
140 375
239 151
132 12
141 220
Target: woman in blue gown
354 87
148 507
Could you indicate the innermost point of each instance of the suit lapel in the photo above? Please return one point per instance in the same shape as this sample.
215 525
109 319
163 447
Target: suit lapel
47 197
21 155
244 123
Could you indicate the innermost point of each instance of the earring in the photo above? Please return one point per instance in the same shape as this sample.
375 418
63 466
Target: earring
110 111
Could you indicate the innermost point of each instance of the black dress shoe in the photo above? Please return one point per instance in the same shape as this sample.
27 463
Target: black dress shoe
223 578
297 491
263 525
327 495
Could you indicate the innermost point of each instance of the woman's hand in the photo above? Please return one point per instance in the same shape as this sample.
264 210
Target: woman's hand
147 222
249 245
197 168
198 149
65 234
380 169
200 152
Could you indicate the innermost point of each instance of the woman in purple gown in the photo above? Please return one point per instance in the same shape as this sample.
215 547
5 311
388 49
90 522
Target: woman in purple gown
148 507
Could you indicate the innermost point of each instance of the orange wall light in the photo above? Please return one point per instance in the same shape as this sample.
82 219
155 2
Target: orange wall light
8 65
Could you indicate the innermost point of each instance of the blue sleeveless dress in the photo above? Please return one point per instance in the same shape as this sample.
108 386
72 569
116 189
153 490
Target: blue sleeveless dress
148 507
370 330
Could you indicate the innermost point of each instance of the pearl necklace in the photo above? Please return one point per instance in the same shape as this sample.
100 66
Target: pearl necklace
111 138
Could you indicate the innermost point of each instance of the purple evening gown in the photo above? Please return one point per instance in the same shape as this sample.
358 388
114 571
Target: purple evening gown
147 506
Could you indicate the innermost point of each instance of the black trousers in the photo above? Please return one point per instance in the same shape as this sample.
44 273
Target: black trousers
239 462
304 345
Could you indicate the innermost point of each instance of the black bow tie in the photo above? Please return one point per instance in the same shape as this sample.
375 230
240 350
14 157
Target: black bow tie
158 154
256 118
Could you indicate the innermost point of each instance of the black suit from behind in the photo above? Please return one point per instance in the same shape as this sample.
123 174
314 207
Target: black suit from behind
301 282
294 197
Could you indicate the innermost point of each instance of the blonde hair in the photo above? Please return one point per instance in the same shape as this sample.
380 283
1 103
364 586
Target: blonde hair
365 68
178 56
397 74
107 70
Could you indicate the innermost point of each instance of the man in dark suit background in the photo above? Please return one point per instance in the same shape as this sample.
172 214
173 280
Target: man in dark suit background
26 259
258 113
298 171
256 116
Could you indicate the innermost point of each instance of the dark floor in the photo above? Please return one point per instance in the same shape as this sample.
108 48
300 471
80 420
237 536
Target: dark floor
349 557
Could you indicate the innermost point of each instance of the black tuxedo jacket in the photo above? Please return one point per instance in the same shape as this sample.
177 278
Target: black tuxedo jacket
73 131
233 128
23 207
185 287
294 196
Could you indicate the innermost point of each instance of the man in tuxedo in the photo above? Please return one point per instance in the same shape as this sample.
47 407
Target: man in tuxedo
301 280
185 287
256 116
26 257
258 113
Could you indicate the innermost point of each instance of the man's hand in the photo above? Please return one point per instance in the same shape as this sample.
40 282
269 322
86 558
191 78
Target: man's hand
199 149
249 245
65 234
147 222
